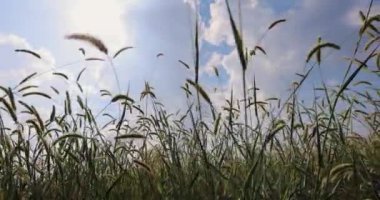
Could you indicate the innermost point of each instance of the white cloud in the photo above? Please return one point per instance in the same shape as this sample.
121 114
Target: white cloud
13 40
219 29
24 64
104 19
216 32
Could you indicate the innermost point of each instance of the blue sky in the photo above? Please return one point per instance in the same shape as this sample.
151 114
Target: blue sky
153 26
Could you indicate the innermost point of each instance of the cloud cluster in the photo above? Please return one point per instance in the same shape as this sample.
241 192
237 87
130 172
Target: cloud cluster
286 45
13 70
167 27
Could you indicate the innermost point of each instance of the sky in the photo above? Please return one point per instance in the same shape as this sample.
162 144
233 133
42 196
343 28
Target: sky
153 26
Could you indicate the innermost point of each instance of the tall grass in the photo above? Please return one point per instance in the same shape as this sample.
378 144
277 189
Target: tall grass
290 151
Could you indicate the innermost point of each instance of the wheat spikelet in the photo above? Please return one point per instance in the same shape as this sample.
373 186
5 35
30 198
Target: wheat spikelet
90 39
121 50
29 52
275 23
143 165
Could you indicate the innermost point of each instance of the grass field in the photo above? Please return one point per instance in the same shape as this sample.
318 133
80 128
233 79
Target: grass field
246 149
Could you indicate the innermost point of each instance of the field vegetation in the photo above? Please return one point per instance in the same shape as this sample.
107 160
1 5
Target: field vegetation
246 149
